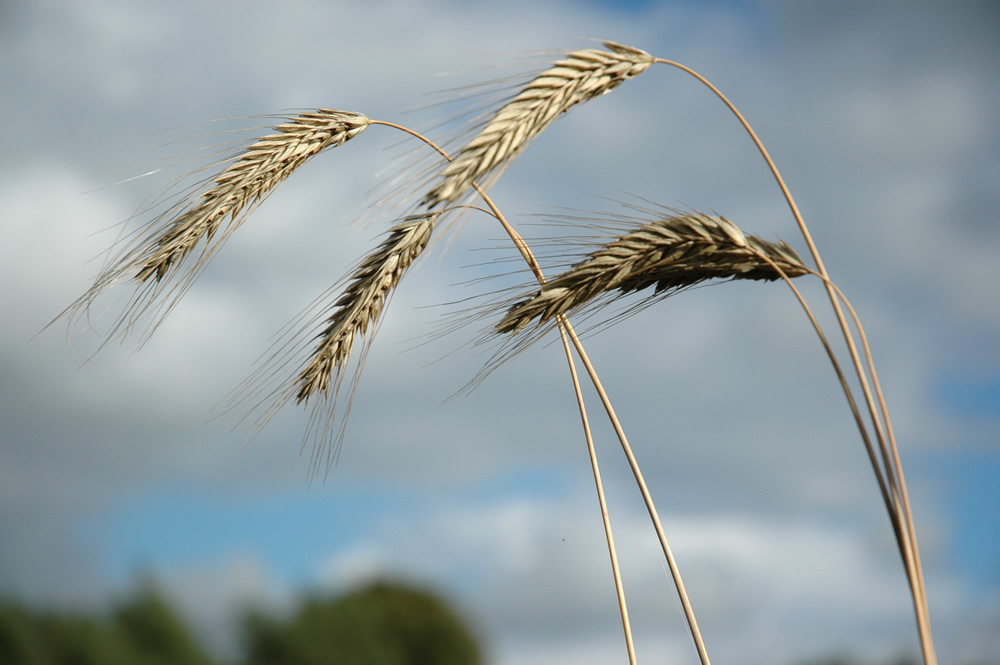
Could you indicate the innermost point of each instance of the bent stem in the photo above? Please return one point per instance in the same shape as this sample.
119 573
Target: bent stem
892 461
900 513
537 271
566 328
890 458
852 403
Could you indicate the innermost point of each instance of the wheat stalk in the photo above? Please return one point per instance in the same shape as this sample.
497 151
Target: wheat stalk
175 238
668 254
892 476
577 78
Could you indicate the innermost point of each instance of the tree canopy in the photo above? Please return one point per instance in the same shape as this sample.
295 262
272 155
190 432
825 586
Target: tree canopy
384 623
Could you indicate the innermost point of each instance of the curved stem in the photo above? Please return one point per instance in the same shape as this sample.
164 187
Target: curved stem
852 403
872 456
895 464
537 271
613 417
901 512
565 328
763 151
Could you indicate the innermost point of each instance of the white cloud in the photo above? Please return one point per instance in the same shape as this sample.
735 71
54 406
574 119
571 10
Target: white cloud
537 572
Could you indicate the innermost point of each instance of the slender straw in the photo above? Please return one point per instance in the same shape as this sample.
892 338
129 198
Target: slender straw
599 484
613 417
894 472
646 497
536 269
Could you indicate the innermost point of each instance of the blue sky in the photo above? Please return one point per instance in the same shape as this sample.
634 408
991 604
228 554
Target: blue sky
173 527
881 117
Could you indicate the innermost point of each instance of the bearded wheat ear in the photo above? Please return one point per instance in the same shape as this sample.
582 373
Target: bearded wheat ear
579 77
361 303
245 183
170 255
667 254
355 315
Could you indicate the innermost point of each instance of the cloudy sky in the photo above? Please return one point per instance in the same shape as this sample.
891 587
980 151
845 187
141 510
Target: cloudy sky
882 117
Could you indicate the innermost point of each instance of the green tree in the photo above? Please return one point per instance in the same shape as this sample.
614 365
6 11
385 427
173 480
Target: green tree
20 639
142 631
34 637
155 630
379 624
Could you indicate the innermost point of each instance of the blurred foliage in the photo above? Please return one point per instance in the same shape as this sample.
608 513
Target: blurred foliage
383 624
388 624
142 631
379 624
156 630
843 659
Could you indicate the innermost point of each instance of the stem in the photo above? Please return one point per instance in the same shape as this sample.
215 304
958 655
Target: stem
901 512
567 328
599 484
646 497
872 457
537 271
895 466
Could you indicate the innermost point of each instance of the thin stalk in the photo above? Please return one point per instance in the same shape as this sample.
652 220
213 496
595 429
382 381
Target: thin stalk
852 403
599 484
646 497
907 542
896 465
537 271
904 514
